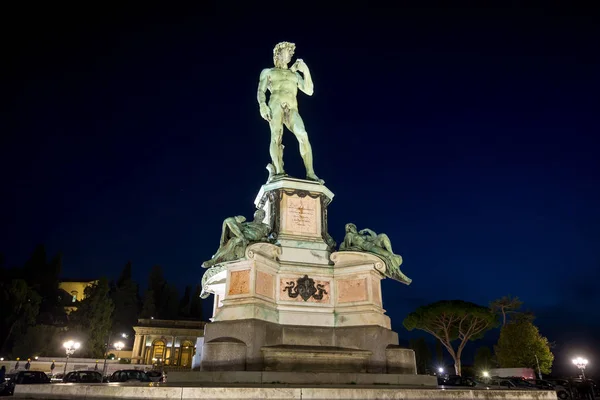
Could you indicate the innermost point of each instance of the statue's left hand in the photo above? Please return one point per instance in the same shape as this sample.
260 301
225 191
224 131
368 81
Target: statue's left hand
299 65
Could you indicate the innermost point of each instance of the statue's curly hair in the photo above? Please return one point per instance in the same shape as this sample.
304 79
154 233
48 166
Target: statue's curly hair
291 47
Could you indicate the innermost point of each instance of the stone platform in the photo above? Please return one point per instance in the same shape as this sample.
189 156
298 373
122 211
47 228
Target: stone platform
257 345
247 392
295 304
297 378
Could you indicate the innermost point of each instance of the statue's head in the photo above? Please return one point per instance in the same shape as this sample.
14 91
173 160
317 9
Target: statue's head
351 228
259 215
282 54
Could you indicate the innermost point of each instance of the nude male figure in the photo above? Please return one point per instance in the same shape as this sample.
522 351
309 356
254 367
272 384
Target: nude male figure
282 109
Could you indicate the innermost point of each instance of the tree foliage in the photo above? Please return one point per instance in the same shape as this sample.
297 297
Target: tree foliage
439 352
483 359
196 304
505 306
20 307
126 301
422 354
450 321
161 299
39 340
519 344
92 321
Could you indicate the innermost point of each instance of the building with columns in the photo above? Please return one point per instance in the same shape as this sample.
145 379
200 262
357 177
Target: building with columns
166 342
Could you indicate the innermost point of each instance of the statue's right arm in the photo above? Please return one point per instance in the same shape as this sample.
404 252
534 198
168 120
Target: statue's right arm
263 81
368 231
261 94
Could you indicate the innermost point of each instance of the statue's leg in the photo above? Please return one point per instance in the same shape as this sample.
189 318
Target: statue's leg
296 125
276 148
384 241
233 226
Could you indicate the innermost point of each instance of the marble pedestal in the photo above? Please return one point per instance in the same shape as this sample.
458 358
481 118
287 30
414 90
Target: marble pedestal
293 305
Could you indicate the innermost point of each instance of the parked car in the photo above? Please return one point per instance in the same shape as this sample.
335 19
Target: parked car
129 375
8 386
560 386
511 383
83 377
157 376
31 377
22 378
455 380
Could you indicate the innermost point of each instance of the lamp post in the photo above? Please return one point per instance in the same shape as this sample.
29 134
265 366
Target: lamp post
581 363
108 339
118 347
70 347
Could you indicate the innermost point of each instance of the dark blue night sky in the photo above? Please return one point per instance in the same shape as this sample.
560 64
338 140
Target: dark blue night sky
469 136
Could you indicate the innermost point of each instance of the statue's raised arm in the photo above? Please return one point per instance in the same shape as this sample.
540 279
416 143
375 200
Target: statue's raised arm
305 84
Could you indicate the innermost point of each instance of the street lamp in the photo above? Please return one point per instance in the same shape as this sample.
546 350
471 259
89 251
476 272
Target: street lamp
108 340
118 346
70 347
486 374
581 363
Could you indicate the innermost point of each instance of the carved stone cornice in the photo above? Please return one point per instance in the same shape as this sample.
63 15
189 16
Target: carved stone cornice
162 331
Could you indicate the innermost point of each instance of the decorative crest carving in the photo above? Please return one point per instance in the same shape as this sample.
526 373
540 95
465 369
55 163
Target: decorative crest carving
305 288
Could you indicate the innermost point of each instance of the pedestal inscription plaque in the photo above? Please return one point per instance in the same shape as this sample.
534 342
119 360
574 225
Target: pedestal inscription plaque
300 216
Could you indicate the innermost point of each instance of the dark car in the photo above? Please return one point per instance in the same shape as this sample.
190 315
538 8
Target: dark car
157 376
31 377
541 384
455 380
129 375
22 378
8 386
83 377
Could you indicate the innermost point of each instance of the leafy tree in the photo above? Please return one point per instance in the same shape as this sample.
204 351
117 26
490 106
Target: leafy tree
156 282
422 354
169 306
38 340
483 359
35 268
92 319
506 305
519 344
196 304
20 307
439 352
149 306
153 304
125 298
185 303
452 320
125 274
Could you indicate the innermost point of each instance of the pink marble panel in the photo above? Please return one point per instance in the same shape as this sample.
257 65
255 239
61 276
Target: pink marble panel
239 282
265 284
350 290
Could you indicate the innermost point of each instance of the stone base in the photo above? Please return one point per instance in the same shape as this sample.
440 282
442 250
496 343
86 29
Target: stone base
247 392
270 346
314 358
297 378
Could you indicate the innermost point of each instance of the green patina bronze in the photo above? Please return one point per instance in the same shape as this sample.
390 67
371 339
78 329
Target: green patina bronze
236 235
368 241
282 108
